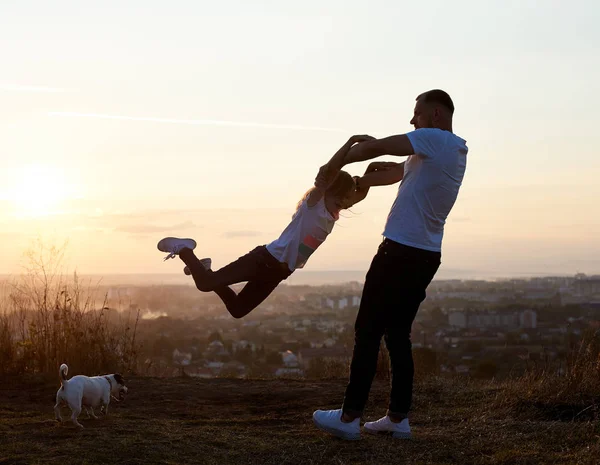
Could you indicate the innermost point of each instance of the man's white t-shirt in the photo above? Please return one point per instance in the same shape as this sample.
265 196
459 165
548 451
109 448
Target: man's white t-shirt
432 179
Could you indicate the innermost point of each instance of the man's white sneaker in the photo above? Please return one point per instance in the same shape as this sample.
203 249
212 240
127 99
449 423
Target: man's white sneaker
386 426
206 263
173 245
331 422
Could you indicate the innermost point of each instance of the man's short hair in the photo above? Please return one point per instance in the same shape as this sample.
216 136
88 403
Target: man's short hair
437 96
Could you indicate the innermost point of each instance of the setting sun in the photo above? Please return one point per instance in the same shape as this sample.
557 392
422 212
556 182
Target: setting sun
38 190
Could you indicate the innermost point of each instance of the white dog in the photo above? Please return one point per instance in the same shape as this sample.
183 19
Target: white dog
83 391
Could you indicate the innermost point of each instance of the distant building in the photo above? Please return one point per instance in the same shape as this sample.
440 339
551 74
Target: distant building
341 303
457 319
526 319
215 348
329 342
587 287
182 358
290 365
244 345
290 360
327 302
293 372
332 353
492 320
463 369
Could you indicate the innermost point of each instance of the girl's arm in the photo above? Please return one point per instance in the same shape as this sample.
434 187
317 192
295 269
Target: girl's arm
358 195
314 196
326 177
330 170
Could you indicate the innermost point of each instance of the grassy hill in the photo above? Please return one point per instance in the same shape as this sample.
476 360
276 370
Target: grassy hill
228 421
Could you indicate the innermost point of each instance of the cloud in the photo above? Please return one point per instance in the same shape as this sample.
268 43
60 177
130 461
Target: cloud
141 237
151 228
234 234
144 215
198 122
22 88
87 229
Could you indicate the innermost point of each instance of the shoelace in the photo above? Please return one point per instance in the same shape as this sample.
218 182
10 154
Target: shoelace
173 254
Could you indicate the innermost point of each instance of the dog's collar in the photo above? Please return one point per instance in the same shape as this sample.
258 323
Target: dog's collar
107 378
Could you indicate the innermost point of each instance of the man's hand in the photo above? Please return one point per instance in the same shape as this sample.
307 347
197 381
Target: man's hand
352 144
380 166
382 174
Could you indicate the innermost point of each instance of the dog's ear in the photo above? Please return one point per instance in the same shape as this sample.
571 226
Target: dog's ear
119 379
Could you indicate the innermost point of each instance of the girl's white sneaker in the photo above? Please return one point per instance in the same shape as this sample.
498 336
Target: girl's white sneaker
206 263
173 245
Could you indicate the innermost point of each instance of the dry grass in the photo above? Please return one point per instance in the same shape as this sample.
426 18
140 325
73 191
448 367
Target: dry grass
565 391
222 421
48 317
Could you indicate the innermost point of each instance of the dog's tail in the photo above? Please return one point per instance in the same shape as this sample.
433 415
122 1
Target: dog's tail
62 373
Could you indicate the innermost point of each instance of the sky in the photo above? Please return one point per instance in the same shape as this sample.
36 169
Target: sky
124 122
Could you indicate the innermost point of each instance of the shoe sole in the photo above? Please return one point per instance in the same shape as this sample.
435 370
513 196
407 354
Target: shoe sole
394 434
176 239
337 433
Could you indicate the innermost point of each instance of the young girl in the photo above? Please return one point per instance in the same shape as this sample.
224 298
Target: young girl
266 266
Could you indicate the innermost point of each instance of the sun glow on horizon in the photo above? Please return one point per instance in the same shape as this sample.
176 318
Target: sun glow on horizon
38 190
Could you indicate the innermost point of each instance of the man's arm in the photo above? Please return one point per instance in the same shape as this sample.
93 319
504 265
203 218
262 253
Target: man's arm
398 145
382 177
377 174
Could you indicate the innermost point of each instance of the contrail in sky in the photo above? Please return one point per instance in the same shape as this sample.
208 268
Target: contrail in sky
21 88
198 122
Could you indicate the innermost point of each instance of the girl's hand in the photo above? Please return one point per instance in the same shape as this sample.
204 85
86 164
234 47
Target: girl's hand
360 138
330 170
325 177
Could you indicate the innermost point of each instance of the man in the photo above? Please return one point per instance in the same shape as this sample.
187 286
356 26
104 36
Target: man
406 260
